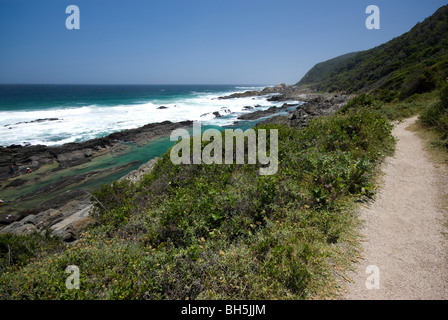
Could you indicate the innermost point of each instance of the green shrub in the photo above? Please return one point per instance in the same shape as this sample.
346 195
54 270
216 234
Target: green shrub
17 251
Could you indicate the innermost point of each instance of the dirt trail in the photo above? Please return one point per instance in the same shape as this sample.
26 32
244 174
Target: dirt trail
404 227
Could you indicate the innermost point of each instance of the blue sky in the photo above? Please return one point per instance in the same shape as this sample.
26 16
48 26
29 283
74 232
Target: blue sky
190 41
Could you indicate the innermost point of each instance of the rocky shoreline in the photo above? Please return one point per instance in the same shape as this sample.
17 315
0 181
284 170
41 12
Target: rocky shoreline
315 105
63 212
71 217
67 215
72 154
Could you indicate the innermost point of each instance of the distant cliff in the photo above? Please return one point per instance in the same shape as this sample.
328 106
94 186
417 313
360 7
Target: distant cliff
414 62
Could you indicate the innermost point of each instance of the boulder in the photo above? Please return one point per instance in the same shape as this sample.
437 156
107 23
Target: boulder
259 114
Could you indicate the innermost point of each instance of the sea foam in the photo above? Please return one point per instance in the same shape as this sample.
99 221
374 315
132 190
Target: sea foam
77 124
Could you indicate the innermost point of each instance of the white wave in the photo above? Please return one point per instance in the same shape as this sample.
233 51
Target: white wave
250 88
87 122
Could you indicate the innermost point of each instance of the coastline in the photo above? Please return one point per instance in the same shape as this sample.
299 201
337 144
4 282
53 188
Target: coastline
64 203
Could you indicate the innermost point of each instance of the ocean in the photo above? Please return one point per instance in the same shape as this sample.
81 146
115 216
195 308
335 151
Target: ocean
57 114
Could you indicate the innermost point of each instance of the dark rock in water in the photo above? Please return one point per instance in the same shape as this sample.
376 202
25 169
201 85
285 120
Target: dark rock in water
241 95
248 108
162 107
61 199
259 114
66 182
16 183
274 98
147 132
34 121
43 120
72 162
61 183
263 113
287 105
217 114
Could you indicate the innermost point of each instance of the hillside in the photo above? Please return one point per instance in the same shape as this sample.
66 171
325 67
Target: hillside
411 63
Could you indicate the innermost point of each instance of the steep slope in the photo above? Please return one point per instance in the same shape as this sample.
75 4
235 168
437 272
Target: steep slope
411 63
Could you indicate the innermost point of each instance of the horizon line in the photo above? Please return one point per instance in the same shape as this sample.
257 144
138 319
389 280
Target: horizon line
138 84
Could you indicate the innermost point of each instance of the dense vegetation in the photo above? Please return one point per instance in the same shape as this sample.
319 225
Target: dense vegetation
411 63
219 231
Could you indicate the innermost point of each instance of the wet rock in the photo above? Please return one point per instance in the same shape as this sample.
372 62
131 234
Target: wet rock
16 183
34 121
258 114
61 183
263 113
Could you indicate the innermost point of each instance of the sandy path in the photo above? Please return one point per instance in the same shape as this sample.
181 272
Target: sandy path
404 226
